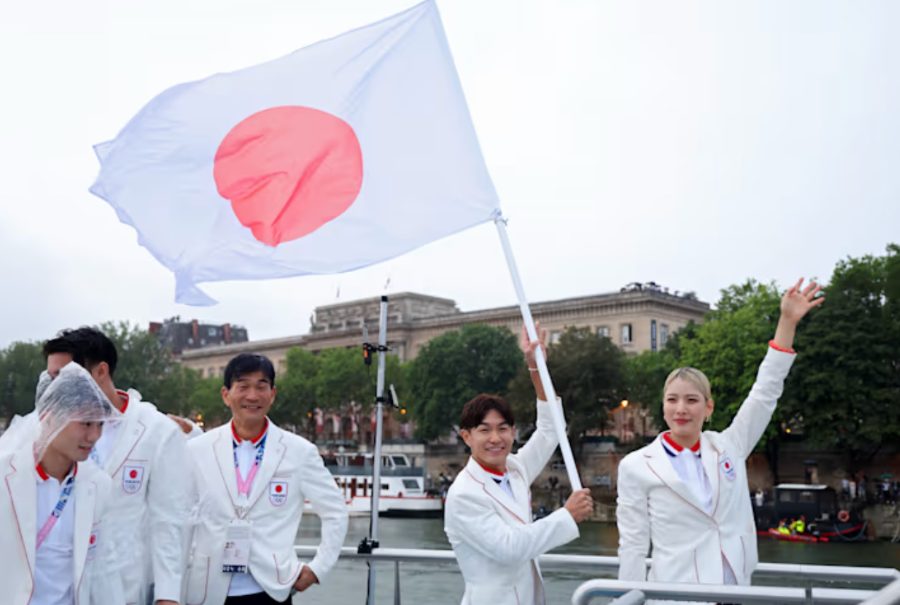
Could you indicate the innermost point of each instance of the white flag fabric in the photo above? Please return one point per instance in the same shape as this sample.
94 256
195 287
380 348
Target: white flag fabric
340 155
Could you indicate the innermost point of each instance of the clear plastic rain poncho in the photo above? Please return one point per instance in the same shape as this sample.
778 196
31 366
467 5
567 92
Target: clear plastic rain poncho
72 396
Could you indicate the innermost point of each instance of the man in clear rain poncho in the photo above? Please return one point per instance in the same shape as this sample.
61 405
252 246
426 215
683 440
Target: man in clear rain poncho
52 546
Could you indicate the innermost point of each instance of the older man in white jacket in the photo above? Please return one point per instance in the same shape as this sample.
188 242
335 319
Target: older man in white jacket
143 451
253 478
488 513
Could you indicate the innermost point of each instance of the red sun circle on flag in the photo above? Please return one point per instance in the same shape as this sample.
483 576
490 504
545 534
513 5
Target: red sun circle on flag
133 474
279 489
288 170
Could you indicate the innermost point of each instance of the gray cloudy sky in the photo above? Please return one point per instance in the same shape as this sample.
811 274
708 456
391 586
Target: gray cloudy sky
692 143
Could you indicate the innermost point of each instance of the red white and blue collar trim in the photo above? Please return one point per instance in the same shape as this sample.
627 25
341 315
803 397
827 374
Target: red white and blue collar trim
673 449
256 440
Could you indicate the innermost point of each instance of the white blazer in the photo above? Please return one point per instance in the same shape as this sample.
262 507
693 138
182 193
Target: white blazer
291 470
656 507
148 516
494 539
18 517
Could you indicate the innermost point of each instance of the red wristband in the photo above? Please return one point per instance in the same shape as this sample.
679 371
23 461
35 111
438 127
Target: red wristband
775 346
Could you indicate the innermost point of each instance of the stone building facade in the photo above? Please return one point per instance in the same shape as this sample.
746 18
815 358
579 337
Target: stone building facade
640 317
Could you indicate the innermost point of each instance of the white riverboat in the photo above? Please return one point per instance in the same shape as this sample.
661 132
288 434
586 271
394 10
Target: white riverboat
403 489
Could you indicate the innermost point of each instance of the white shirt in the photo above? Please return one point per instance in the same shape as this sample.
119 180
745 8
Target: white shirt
54 570
243 583
686 462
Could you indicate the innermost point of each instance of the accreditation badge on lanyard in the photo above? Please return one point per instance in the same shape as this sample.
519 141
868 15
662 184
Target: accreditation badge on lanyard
56 513
236 558
239 536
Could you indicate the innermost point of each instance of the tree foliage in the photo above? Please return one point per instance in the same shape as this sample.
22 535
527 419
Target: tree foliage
20 365
844 391
456 366
729 346
645 374
588 373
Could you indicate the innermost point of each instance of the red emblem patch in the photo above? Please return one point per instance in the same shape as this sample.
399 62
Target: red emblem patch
278 492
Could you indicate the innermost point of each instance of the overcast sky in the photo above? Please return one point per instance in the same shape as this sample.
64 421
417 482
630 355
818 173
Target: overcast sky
695 144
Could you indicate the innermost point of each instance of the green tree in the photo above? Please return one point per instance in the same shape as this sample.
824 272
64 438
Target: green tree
297 396
844 391
588 373
456 366
204 402
729 346
20 365
344 378
146 366
645 375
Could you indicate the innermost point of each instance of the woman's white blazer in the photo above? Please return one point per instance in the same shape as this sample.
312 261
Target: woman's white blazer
492 534
656 507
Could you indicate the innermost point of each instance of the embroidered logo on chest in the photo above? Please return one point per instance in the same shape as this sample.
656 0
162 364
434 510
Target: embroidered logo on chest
92 544
132 478
728 469
278 492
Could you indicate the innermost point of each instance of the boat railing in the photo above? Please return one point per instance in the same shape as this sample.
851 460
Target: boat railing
805 580
366 471
636 593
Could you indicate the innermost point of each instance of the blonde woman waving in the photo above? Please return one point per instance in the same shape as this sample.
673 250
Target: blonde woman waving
686 494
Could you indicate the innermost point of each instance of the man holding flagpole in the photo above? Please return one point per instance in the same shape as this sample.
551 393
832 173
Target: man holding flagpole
488 512
252 478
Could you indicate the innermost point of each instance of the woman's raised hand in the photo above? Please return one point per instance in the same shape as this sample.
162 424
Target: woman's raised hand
795 304
797 301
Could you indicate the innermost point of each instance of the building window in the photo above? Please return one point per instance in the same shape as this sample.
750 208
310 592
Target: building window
603 331
211 331
626 334
663 334
555 336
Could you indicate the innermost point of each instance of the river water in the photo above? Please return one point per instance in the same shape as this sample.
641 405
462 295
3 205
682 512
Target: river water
442 584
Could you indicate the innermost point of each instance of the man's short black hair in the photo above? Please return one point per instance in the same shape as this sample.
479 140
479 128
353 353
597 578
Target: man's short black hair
87 346
476 409
247 363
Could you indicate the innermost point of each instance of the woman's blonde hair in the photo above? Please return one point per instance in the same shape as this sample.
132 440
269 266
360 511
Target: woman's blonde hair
692 375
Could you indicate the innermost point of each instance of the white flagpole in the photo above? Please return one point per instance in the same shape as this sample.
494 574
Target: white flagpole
559 421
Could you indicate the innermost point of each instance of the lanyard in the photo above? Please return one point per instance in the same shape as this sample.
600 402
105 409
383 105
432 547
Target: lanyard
244 483
55 514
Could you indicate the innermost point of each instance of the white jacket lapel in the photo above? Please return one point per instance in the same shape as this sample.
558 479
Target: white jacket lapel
83 500
520 490
271 460
223 452
509 504
658 461
21 483
709 457
130 432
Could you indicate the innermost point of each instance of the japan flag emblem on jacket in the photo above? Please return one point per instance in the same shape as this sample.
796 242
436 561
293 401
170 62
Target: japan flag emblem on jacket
278 492
132 478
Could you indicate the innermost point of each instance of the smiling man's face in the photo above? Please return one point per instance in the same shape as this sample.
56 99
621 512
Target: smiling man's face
250 397
490 441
